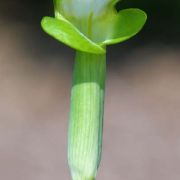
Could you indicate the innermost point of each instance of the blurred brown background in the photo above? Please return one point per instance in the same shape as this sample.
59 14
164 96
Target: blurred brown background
142 109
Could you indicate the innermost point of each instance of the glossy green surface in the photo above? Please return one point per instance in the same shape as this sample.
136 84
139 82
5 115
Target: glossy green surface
65 32
122 26
127 23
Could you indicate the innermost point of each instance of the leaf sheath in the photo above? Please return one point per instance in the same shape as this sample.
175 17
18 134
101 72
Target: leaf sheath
86 115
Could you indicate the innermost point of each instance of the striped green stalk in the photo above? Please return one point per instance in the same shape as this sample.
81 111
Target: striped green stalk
86 115
88 26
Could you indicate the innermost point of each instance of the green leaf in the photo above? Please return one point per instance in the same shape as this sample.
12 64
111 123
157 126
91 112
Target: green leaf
125 25
67 33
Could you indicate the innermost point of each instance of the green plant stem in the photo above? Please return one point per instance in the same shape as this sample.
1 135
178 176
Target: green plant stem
86 115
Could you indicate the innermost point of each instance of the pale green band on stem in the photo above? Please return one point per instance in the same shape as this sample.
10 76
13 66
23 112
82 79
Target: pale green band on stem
86 115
